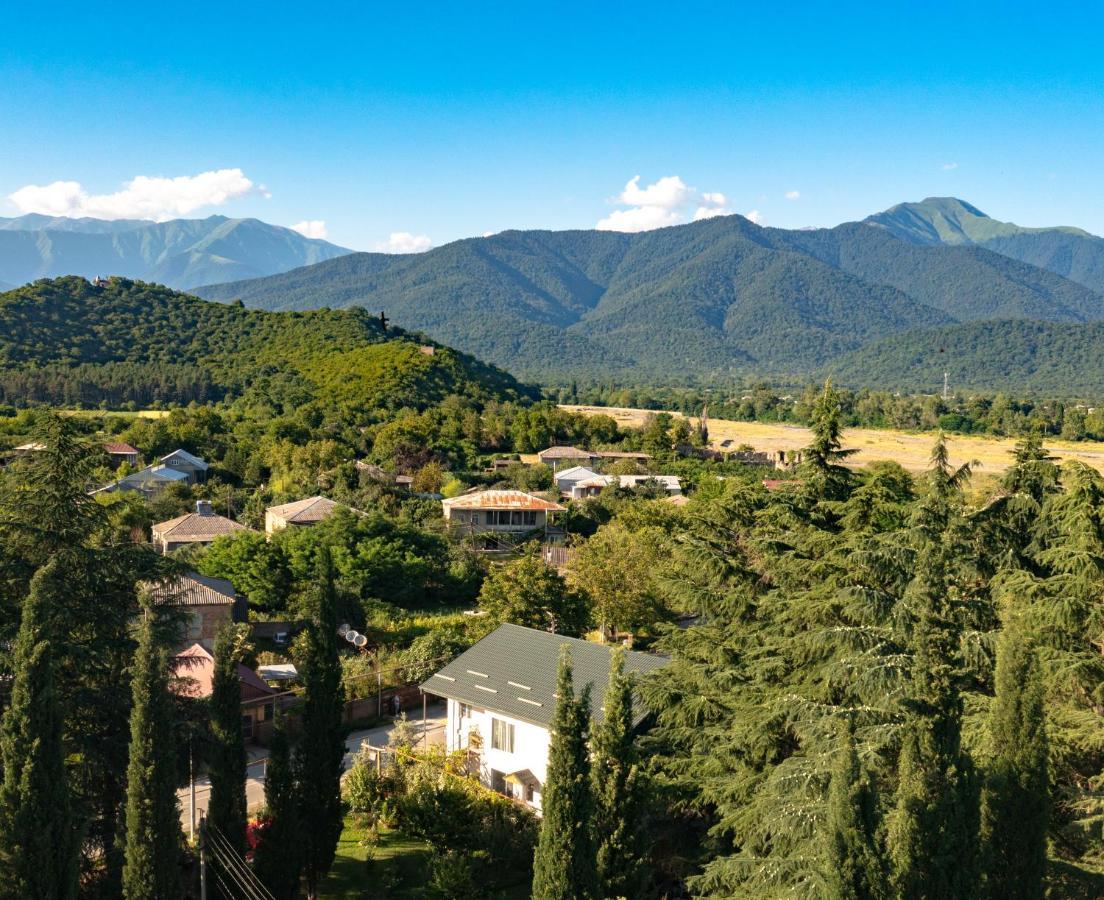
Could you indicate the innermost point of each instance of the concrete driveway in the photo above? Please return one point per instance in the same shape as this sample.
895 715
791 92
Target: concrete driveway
436 716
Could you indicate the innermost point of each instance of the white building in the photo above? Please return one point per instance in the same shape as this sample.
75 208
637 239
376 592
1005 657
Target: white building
501 698
580 482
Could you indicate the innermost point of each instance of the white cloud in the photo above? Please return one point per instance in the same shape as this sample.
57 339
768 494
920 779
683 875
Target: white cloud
405 242
947 167
754 216
793 195
312 228
144 197
668 201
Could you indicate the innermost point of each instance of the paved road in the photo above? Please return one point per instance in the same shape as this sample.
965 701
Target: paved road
254 785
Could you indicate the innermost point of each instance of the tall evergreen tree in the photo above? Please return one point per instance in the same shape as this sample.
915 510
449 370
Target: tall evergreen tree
822 466
276 859
152 843
854 868
45 510
933 827
564 865
227 766
617 789
1015 799
38 839
321 750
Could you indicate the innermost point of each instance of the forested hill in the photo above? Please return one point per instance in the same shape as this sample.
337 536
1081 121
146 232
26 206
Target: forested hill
69 341
706 300
1041 358
180 253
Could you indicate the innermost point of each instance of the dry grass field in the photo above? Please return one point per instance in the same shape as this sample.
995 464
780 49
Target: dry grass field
910 449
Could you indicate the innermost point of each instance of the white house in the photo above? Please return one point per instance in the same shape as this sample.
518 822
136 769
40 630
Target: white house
484 512
582 485
501 699
568 478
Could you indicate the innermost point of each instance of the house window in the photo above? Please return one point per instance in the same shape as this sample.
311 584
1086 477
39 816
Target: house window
502 735
465 711
498 781
530 518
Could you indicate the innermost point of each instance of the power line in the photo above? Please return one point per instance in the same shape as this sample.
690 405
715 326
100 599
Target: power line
236 866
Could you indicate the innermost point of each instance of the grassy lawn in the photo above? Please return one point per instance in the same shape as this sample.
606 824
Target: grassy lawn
399 866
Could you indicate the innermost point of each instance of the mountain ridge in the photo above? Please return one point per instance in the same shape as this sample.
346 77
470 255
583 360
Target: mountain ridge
180 253
1064 250
709 299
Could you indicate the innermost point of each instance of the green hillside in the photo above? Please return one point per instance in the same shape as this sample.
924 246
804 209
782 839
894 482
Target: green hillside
68 341
1047 358
718 298
1070 252
180 253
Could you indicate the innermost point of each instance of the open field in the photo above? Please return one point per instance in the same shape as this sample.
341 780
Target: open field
910 449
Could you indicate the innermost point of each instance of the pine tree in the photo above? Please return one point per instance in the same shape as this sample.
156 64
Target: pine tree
227 768
276 859
1015 801
822 461
152 842
617 789
321 751
38 839
564 865
854 869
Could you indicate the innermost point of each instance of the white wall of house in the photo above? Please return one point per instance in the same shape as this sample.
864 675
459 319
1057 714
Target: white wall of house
530 747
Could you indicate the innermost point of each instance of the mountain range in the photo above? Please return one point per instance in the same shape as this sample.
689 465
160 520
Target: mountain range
892 301
180 253
714 299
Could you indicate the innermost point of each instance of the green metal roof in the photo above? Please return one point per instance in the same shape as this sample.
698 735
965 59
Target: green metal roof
513 671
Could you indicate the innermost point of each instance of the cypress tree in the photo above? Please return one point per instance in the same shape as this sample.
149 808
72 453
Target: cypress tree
1015 801
152 844
934 826
564 865
617 789
227 767
318 761
38 840
276 859
854 869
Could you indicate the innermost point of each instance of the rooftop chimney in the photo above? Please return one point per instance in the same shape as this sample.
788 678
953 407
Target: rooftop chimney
203 508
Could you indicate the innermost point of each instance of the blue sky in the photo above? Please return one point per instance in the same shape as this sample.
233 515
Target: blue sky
441 121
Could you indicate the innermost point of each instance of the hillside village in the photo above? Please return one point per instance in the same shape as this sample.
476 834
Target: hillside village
377 611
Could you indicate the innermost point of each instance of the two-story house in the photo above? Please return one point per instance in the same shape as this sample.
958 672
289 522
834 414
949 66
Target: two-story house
489 512
501 696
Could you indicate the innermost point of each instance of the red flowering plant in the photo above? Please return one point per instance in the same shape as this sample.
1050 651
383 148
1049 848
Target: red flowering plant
254 833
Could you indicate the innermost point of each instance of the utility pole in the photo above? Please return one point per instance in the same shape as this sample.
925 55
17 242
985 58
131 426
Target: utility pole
202 859
191 793
946 387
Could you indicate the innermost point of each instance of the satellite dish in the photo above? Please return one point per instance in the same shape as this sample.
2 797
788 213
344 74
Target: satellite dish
343 629
351 636
359 641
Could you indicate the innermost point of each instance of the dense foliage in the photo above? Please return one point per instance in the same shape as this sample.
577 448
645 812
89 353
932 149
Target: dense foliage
68 341
831 708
